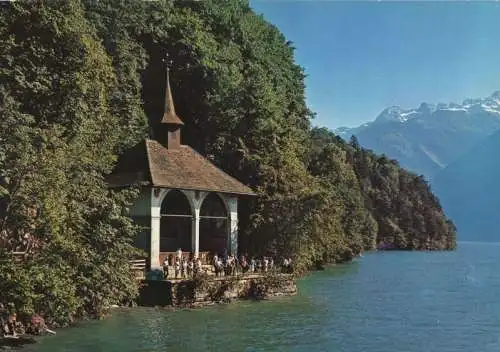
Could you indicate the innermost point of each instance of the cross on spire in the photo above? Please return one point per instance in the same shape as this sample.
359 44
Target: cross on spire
168 61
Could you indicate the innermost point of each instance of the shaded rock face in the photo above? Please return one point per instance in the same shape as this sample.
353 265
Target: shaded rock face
205 291
469 191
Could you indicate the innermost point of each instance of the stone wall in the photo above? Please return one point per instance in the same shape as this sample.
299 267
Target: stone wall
204 290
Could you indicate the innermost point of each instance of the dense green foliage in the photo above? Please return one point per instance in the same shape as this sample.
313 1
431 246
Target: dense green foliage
399 208
78 80
56 111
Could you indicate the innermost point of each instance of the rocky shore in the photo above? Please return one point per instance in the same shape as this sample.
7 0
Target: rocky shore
200 291
205 290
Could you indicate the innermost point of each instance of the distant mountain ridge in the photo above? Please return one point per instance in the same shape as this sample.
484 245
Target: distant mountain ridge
428 138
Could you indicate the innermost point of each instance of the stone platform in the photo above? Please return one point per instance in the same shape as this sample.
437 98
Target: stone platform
205 290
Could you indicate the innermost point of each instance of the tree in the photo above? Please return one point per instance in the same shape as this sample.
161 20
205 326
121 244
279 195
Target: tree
59 139
354 143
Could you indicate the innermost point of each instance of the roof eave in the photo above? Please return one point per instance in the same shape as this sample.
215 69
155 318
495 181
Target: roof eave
249 193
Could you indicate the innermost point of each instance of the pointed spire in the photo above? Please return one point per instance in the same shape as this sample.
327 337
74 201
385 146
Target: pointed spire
169 115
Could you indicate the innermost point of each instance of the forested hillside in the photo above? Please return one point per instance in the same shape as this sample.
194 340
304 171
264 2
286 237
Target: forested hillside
392 206
79 82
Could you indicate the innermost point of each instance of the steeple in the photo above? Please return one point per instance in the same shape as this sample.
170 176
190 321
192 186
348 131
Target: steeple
169 129
169 115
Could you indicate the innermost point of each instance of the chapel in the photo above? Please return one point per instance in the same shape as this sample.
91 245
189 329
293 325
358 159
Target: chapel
185 201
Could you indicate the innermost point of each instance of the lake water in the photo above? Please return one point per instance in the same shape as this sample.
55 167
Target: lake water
383 302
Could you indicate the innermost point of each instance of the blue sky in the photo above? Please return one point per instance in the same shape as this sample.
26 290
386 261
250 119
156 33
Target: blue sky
361 57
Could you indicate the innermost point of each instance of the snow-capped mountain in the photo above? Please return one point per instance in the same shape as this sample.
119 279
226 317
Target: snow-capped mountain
427 138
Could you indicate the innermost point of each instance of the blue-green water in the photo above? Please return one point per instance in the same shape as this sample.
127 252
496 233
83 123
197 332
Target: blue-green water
383 302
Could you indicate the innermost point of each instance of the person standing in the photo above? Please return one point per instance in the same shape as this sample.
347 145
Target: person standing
177 267
165 268
11 324
184 268
198 265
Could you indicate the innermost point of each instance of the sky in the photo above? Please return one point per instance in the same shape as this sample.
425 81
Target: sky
361 57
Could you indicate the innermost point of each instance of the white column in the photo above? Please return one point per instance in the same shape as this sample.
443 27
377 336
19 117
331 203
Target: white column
195 200
232 227
196 232
154 249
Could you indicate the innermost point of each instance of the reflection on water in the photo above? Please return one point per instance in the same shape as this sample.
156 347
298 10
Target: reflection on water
383 302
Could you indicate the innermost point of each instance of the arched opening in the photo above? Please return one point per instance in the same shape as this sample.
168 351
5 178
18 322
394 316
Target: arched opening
213 225
175 223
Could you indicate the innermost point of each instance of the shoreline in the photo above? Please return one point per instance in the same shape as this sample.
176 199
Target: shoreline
193 295
28 339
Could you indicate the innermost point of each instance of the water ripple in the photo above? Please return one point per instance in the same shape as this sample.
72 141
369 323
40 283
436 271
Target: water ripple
385 302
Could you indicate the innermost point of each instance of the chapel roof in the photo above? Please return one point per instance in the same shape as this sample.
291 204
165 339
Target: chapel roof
171 165
150 163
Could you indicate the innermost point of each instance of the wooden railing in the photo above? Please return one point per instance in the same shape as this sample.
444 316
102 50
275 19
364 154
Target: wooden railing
139 266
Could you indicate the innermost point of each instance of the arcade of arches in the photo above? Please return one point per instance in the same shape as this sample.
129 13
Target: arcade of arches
194 221
177 218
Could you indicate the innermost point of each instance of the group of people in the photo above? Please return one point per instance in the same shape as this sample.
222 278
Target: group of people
230 265
181 267
224 265
11 326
